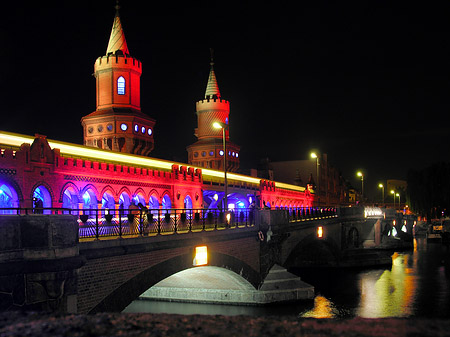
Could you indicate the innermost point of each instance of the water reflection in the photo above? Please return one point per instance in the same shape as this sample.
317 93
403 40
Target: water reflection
417 285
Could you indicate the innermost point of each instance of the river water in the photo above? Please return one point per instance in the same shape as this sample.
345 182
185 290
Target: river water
416 285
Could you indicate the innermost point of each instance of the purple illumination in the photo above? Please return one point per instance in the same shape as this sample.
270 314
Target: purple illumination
149 131
143 129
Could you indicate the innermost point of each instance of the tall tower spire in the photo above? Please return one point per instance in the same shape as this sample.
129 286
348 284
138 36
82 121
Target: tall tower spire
208 150
117 39
118 123
212 89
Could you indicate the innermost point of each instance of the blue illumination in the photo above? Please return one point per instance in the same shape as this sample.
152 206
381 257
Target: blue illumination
121 86
149 131
188 202
143 129
166 202
136 128
221 152
123 127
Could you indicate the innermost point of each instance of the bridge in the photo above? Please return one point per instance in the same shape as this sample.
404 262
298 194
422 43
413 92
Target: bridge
70 263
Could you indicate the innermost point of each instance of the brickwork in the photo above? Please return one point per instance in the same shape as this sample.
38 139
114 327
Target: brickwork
103 276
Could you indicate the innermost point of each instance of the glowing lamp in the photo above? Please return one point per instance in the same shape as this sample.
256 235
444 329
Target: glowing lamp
320 232
201 256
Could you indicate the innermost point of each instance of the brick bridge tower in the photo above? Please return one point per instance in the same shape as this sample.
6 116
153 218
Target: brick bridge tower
208 150
118 123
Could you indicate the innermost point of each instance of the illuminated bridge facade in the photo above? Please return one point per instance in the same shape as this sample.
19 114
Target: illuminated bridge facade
36 172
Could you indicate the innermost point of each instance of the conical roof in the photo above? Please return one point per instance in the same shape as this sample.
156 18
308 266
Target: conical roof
212 89
117 39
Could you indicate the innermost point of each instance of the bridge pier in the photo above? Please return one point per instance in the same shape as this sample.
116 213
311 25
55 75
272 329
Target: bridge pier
38 262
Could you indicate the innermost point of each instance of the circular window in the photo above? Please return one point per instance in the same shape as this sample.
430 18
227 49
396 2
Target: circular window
143 129
237 155
203 153
221 152
90 129
195 154
136 128
149 131
123 127
109 127
211 153
100 128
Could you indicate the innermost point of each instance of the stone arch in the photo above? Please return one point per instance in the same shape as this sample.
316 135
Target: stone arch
89 198
139 197
47 186
188 204
110 190
92 188
166 200
126 190
42 196
108 201
10 194
122 296
314 252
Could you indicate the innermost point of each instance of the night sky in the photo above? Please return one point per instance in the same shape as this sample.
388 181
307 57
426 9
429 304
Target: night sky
365 82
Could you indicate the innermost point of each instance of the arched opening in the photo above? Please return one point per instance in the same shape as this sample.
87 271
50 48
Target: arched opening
124 203
41 199
166 202
187 202
8 198
153 205
139 199
108 204
89 202
118 299
70 198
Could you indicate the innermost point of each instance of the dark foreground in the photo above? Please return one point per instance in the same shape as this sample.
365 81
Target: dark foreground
116 324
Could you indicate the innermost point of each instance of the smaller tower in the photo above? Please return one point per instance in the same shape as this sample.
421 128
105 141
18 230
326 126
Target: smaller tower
118 123
208 150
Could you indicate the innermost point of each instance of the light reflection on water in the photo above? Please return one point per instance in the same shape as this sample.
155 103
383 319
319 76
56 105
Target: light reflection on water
417 284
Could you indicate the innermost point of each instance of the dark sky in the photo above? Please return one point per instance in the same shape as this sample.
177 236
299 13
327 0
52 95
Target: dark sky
366 82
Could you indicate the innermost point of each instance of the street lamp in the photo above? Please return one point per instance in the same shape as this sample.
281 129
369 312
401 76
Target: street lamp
398 195
360 174
393 194
382 192
316 157
223 126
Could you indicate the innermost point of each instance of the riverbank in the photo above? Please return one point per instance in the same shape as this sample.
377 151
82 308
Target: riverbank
120 324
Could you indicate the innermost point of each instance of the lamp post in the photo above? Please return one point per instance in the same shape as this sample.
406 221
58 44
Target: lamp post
316 157
393 194
398 195
223 126
360 174
382 192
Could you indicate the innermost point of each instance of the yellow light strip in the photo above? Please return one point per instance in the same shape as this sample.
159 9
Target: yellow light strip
13 139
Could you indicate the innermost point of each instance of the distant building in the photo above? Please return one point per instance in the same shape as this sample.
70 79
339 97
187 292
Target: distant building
333 188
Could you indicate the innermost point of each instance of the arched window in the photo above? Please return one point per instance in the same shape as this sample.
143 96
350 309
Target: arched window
121 86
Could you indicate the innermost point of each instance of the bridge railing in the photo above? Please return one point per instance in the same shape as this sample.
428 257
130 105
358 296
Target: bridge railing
98 223
311 213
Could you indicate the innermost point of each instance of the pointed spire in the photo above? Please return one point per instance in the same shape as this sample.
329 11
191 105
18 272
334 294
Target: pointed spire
117 39
212 89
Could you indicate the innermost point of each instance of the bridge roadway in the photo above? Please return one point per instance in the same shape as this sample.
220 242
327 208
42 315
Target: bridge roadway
49 262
